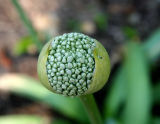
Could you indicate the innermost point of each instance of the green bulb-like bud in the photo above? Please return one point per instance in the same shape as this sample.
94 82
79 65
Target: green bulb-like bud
73 64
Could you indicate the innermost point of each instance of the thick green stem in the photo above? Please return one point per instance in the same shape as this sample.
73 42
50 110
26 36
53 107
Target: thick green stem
91 108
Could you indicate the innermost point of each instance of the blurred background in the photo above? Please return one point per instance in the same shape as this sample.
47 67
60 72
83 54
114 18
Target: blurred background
128 29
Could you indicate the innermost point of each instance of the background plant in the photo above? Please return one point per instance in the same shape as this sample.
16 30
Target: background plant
130 92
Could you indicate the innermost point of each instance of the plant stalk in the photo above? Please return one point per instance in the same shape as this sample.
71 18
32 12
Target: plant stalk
28 24
91 109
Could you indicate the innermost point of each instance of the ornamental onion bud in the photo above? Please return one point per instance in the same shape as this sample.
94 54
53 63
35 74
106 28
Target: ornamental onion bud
73 64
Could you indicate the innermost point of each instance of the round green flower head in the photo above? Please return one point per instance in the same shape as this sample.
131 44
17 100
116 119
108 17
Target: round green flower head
73 64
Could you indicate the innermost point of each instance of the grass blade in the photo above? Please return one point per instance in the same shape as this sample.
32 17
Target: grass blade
28 24
116 95
151 49
138 86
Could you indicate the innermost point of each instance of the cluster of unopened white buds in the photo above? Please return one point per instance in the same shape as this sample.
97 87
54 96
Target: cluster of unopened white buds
71 64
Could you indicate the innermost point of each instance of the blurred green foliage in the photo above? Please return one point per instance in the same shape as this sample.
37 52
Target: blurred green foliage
61 121
21 119
138 97
131 88
156 93
32 89
32 32
156 121
101 21
130 33
23 45
152 46
131 96
116 95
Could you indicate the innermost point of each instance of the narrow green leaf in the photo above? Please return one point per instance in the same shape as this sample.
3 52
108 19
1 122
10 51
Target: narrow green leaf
21 119
32 89
116 95
152 46
28 24
138 86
